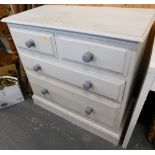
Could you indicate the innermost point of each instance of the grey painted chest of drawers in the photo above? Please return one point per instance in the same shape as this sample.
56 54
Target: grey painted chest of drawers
81 61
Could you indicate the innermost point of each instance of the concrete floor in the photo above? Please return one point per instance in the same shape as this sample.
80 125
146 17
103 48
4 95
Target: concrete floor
26 126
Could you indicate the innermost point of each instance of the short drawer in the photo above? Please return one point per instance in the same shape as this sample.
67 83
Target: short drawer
91 107
36 41
94 54
89 81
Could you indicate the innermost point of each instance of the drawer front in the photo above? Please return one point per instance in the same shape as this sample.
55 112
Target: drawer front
93 54
36 41
91 107
100 84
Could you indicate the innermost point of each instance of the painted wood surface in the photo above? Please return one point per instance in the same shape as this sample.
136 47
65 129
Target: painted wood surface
117 22
104 56
43 41
101 84
106 87
77 120
75 99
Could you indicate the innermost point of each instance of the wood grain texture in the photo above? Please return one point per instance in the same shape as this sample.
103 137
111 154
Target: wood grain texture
25 6
127 24
120 5
4 10
17 8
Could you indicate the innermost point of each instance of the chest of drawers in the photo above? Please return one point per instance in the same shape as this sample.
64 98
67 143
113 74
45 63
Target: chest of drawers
83 68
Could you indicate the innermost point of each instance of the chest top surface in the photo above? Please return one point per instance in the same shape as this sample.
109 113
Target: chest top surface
121 23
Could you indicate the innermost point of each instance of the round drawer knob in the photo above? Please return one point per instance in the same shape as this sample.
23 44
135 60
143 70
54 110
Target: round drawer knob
44 91
89 110
37 67
87 57
87 84
29 43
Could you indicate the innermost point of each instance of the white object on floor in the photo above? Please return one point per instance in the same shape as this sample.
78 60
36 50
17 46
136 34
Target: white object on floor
10 95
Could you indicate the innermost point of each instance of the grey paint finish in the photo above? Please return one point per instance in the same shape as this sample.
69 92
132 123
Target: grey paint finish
27 126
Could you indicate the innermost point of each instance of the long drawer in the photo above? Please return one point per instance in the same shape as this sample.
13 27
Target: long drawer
94 54
100 84
75 99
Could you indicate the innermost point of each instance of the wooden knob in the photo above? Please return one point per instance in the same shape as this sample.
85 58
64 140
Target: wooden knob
89 110
87 84
44 91
87 57
29 43
36 67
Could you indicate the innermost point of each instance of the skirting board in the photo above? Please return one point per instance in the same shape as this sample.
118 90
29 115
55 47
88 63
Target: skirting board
77 120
